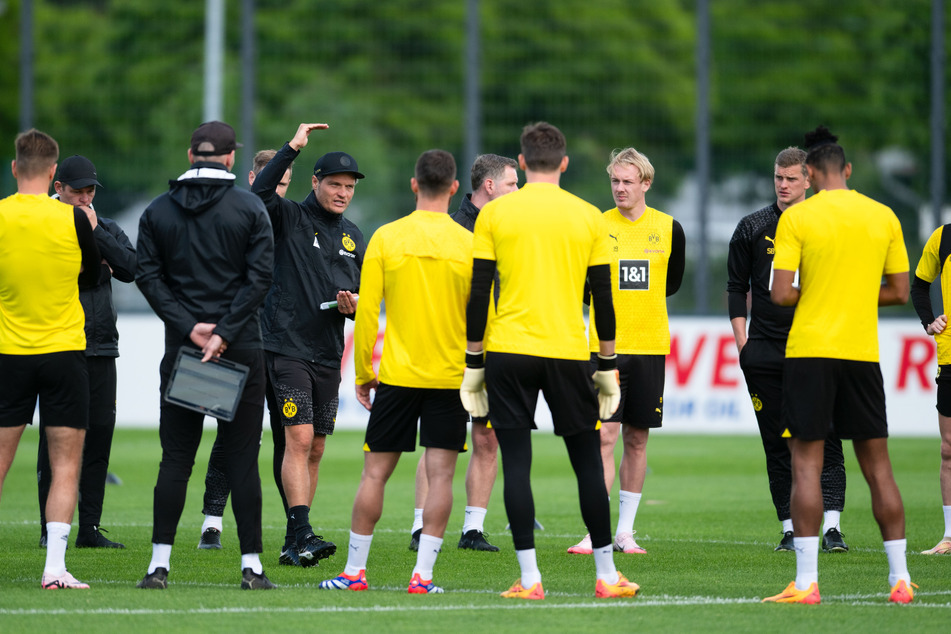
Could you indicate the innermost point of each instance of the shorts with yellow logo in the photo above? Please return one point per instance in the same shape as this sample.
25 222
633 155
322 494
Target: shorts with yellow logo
642 378
304 393
841 396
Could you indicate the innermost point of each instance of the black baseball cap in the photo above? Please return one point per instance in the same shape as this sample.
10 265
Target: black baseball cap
213 138
78 172
336 163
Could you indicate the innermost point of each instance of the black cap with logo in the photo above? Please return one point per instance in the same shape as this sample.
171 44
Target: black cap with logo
78 172
336 163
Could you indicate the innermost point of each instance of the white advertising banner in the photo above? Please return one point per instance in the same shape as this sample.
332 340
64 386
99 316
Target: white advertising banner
705 391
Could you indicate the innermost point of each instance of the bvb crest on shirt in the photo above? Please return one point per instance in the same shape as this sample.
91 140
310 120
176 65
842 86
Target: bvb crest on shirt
290 408
653 238
348 242
757 404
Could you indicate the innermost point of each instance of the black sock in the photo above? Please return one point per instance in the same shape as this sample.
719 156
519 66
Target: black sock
299 518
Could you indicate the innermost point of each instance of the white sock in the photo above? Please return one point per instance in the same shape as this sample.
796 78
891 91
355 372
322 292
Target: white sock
252 561
897 564
161 553
426 556
787 525
807 561
947 520
57 537
604 564
357 553
212 521
417 520
830 520
529 566
627 510
475 519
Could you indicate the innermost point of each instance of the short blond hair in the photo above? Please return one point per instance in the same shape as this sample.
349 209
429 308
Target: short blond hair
633 158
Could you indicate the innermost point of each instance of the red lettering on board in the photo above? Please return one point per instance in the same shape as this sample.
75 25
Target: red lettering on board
917 353
682 372
726 358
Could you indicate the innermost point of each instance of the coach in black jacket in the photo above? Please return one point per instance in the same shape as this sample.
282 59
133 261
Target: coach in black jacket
77 185
318 256
205 254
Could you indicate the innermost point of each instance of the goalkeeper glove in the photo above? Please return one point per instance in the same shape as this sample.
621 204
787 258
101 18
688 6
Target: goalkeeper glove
472 392
607 382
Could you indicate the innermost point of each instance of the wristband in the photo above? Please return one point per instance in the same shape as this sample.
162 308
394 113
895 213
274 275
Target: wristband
607 363
475 360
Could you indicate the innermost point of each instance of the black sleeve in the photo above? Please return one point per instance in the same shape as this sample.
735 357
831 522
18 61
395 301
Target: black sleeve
266 182
477 311
678 259
739 265
116 249
599 278
921 298
91 258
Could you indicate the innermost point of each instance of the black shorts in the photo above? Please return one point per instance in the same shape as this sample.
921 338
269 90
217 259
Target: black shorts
305 393
943 381
396 410
59 379
514 380
844 397
642 389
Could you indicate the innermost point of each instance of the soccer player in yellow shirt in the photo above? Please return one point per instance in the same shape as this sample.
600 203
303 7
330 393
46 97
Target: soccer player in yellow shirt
934 257
421 260
544 242
832 375
647 267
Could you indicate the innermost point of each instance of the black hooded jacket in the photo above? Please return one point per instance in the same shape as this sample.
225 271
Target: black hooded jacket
205 254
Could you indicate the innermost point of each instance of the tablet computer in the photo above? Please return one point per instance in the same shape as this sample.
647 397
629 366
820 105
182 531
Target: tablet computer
213 388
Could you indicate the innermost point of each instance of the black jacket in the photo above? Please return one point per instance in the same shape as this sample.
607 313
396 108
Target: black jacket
118 254
205 254
749 264
316 254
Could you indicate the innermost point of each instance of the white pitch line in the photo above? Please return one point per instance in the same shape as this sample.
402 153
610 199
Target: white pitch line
659 601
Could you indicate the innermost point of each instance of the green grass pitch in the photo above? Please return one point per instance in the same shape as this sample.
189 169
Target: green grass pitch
706 521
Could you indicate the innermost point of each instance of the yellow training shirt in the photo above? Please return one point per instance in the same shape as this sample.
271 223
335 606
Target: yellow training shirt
641 250
542 239
420 267
842 243
40 260
929 268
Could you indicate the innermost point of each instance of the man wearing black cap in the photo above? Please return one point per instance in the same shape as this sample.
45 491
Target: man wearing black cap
77 186
205 256
318 256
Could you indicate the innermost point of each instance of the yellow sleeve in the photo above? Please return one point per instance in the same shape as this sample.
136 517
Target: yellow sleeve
367 323
928 266
483 247
896 261
788 244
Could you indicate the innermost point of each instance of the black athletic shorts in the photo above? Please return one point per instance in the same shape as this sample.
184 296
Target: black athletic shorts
59 379
943 381
642 389
396 410
514 380
305 393
823 395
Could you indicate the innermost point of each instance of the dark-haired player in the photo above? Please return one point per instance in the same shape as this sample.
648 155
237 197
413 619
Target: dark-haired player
544 242
934 257
762 353
422 257
832 372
